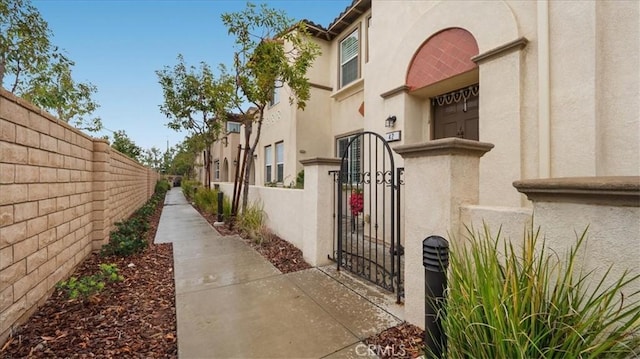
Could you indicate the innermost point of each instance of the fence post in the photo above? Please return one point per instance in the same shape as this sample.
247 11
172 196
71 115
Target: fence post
435 259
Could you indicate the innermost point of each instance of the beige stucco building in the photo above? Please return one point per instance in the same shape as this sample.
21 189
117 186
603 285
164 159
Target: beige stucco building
554 86
558 91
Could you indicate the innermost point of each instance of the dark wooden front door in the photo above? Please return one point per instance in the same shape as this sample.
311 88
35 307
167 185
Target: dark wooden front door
456 114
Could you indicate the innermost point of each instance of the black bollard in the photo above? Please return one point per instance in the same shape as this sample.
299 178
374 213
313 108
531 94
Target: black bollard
435 259
220 209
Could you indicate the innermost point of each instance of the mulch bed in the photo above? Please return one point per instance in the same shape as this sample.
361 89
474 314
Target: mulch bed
132 318
402 339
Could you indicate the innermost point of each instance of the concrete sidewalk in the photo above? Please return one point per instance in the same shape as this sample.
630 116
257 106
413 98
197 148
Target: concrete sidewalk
232 303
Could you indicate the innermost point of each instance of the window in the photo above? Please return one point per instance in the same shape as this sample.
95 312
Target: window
216 167
280 162
275 98
233 127
353 156
349 48
268 162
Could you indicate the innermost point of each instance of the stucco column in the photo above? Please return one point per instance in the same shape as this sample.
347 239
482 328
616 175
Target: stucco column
440 176
317 233
100 193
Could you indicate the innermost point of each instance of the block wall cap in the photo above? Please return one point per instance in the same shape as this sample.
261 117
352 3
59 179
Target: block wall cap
445 146
610 190
320 161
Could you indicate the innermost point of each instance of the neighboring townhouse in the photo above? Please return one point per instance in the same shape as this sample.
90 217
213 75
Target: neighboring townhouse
547 89
224 152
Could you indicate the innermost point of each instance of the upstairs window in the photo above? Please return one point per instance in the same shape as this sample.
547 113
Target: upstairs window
275 98
216 166
349 49
233 127
280 162
268 163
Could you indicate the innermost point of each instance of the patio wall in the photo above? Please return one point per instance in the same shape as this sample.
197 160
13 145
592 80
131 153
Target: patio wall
61 192
283 207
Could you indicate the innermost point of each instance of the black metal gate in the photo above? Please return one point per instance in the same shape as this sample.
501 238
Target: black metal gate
367 211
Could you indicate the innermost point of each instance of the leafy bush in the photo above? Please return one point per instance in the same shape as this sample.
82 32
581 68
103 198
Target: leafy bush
189 188
88 286
129 236
162 186
300 179
207 200
528 303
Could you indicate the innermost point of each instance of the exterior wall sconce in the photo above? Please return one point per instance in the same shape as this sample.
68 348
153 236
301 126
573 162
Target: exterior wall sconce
235 162
390 121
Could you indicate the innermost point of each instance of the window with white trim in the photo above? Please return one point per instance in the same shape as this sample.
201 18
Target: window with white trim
233 127
349 65
353 155
275 97
216 166
280 162
268 163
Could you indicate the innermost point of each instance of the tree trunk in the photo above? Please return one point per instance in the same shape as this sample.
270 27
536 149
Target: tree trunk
3 68
248 159
207 166
250 151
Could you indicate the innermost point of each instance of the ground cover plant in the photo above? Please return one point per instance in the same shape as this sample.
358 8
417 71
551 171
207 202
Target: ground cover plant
529 302
132 315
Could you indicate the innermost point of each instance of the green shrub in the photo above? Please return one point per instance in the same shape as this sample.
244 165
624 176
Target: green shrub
300 179
528 303
207 200
129 236
86 286
189 188
162 186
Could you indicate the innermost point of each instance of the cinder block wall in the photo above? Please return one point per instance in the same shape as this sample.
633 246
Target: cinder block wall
61 192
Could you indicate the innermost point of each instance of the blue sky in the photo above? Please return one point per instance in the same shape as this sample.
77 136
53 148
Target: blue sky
119 44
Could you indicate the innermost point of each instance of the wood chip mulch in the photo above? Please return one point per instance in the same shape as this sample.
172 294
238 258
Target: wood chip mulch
404 338
132 318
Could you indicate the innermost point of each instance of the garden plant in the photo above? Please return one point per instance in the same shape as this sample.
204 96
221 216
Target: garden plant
530 302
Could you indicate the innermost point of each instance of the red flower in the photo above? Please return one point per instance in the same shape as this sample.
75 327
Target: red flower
356 202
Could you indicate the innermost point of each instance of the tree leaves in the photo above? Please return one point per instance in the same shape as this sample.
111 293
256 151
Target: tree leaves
195 99
36 70
124 144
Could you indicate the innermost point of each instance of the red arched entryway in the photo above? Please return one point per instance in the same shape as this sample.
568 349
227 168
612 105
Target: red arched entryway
445 56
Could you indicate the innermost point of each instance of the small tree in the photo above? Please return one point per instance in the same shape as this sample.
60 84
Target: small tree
270 49
55 89
32 68
183 161
152 158
197 101
124 144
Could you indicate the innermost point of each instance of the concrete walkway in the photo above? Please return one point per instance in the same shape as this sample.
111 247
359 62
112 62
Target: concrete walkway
232 303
